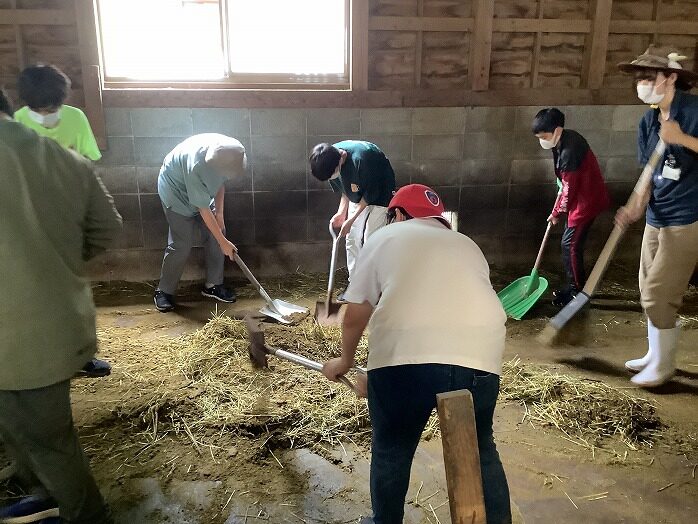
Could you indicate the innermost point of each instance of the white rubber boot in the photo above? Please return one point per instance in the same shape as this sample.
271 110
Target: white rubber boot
638 364
662 364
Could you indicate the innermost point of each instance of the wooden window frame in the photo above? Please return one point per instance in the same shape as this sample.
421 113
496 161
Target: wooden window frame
247 81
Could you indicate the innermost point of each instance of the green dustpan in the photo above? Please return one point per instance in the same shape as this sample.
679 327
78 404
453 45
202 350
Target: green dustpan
520 296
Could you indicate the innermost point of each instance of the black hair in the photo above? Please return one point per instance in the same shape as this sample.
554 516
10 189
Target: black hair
43 86
391 214
651 74
324 159
5 104
547 120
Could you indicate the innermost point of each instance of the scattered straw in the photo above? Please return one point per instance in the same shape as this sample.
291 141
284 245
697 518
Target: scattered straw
585 411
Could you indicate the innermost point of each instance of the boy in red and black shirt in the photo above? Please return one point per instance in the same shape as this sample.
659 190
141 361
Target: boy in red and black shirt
583 194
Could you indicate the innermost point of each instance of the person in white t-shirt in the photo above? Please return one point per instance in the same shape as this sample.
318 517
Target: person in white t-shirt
435 325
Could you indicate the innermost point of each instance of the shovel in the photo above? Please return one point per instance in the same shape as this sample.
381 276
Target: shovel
328 313
275 308
520 296
259 350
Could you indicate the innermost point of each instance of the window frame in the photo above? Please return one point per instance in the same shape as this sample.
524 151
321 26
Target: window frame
239 81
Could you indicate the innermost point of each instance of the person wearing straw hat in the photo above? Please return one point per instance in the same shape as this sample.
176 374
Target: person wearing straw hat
670 243
191 185
453 340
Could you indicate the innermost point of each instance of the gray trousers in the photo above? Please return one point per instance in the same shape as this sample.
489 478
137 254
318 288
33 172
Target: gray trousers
36 427
179 244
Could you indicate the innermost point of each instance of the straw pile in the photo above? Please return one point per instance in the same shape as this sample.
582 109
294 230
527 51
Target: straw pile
586 411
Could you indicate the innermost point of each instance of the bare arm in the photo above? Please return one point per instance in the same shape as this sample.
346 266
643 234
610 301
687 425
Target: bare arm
355 321
350 220
226 245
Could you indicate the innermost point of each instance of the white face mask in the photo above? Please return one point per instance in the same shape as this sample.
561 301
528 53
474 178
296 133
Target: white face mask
648 93
48 120
549 144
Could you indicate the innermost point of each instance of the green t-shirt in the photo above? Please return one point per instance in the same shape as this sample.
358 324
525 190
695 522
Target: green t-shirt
366 174
186 184
72 132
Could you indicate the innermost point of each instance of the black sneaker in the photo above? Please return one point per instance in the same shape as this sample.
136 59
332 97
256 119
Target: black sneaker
29 509
164 302
95 368
220 293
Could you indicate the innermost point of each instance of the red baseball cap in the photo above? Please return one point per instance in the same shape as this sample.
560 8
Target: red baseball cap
419 201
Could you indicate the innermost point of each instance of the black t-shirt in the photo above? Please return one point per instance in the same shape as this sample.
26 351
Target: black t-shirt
366 173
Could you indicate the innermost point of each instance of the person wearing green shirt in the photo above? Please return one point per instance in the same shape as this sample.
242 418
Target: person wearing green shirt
191 185
45 88
361 173
56 215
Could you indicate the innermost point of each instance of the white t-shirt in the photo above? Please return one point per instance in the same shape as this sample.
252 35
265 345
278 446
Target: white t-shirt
433 299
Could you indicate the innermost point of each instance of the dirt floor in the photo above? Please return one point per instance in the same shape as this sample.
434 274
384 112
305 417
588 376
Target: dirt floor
168 445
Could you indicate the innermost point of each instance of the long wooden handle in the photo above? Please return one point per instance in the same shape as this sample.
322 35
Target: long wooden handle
542 246
641 187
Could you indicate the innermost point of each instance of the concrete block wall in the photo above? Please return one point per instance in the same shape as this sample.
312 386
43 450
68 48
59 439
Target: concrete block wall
484 162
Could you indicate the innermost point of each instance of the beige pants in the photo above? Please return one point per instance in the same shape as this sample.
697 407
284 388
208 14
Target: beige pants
668 258
370 219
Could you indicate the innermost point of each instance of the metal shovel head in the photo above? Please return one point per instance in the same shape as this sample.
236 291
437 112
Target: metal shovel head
329 315
283 311
521 295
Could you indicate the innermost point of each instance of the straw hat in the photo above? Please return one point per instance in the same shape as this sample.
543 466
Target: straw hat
659 59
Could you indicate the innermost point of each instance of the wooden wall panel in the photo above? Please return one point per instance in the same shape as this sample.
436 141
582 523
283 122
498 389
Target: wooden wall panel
393 7
632 9
448 8
621 48
445 60
45 4
512 57
682 10
391 59
566 9
515 8
57 35
561 57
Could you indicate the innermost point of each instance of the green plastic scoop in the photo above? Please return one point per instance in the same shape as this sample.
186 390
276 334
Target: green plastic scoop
520 296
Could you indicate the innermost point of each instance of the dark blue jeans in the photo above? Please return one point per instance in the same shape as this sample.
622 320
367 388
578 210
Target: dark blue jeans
400 401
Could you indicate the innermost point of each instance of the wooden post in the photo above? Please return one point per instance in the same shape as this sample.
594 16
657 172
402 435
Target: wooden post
597 47
461 457
481 44
359 45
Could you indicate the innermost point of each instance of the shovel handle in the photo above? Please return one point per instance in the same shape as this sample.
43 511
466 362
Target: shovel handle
246 271
539 258
333 261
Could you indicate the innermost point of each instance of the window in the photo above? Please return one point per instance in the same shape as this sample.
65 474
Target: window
238 42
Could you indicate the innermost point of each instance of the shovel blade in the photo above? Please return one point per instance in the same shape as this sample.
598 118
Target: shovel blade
286 308
329 316
267 311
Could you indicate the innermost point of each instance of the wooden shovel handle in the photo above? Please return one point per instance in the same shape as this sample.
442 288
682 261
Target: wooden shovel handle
542 246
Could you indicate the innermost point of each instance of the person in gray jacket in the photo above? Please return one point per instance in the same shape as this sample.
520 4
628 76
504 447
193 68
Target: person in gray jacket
56 215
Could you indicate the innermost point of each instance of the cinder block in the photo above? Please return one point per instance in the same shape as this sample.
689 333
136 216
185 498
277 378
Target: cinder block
242 182
476 198
322 204
405 172
118 179
524 119
622 169
620 191
623 143
395 147
151 208
240 232
147 179
493 171
118 121
627 118
128 207
490 118
599 141
435 147
278 122
438 173
527 146
119 152
586 118
279 176
532 196
278 149
155 234
152 151
482 222
269 204
532 171
438 120
386 121
238 205
338 122
230 122
488 144
274 230
130 237
161 122
450 196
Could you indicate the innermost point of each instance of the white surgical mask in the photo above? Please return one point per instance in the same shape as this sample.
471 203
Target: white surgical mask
48 120
648 93
549 144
